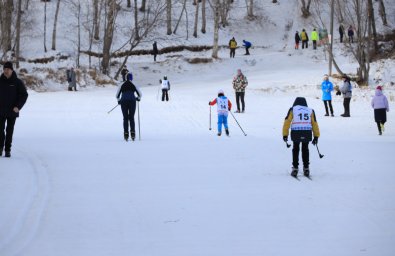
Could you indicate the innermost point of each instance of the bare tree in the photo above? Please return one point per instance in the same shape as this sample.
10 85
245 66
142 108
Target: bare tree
136 21
196 19
45 26
382 13
372 22
216 9
18 32
129 3
54 26
168 14
179 19
224 9
250 9
306 8
203 29
143 4
111 9
6 24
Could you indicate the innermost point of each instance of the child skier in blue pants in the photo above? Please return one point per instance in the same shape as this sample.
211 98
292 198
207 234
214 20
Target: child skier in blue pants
223 106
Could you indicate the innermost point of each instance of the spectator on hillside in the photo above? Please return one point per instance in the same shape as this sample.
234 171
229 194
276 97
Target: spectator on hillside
124 73
247 45
297 40
155 50
71 79
305 39
341 32
232 47
350 33
314 38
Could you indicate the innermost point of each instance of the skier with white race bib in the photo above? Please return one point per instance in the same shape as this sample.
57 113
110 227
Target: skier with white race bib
303 122
223 107
165 85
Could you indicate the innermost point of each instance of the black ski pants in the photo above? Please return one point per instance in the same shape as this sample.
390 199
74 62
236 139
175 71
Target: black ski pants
305 44
240 97
232 52
346 104
165 95
305 154
6 131
326 103
128 110
314 44
247 50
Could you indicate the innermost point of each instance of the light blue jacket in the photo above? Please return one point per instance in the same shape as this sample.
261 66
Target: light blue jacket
327 88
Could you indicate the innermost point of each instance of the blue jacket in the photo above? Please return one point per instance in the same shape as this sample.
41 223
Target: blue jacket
246 43
327 88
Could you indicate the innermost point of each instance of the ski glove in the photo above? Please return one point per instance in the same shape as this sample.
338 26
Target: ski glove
285 138
138 99
315 141
119 102
338 93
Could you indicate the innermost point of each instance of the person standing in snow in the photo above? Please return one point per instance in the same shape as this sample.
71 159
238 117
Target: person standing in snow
124 73
71 79
223 106
350 33
314 38
127 99
247 45
155 50
327 88
13 96
303 122
297 40
346 90
381 107
305 39
232 47
341 32
165 85
239 85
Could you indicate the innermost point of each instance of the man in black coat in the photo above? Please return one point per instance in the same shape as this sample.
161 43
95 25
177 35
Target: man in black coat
13 96
155 50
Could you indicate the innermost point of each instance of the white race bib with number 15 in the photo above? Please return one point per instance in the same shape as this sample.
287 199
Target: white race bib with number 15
301 118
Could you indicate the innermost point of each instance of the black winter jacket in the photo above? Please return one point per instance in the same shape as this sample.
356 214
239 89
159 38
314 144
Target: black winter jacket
12 94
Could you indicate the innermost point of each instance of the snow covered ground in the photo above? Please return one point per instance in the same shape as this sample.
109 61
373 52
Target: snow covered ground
74 187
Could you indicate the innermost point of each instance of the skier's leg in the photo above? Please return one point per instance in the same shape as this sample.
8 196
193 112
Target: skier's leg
125 113
167 95
347 106
305 154
220 121
295 154
9 133
2 133
163 94
330 106
379 127
132 111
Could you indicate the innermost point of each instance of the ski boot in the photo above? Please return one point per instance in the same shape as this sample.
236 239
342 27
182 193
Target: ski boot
306 171
382 127
294 172
126 136
7 154
326 114
227 132
219 134
132 135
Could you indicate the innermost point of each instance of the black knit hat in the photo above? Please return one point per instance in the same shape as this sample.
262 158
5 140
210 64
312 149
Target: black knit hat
8 65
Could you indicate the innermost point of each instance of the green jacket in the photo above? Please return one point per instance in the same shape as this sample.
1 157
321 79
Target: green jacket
314 36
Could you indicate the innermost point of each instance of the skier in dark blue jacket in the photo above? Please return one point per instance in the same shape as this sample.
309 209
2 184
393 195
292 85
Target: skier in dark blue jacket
127 99
247 45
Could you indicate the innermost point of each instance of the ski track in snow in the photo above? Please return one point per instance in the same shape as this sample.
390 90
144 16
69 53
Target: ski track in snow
29 215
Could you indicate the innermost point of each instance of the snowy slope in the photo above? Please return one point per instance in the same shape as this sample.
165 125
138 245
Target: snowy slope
78 189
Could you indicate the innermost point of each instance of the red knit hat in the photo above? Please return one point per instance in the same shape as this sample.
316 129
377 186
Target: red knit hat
379 88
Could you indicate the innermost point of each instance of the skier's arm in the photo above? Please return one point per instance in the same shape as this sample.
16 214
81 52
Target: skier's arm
229 105
118 94
22 95
387 106
314 123
287 123
138 91
168 84
212 103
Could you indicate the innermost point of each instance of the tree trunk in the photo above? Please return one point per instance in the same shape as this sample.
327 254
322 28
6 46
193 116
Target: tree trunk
6 36
136 21
179 19
196 19
216 29
108 35
129 4
203 29
373 24
18 32
79 35
143 4
250 10
54 26
382 12
45 26
168 12
96 23
306 8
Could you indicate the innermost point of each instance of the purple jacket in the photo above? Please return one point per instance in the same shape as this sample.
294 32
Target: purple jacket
380 101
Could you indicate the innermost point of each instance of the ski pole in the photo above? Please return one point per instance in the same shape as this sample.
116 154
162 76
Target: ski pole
238 123
321 156
210 119
112 109
138 117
